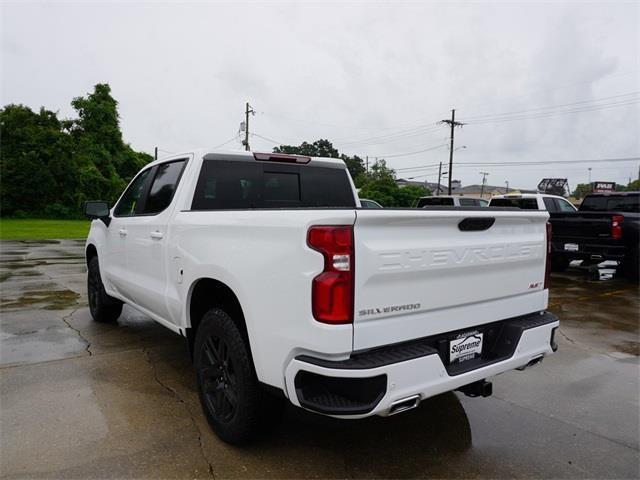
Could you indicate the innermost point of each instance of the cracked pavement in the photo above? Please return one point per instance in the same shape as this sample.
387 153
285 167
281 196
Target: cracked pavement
79 399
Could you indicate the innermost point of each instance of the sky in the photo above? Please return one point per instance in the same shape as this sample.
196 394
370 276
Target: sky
534 83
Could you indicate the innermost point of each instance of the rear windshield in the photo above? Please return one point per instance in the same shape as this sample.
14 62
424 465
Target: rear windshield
434 201
523 203
614 203
227 185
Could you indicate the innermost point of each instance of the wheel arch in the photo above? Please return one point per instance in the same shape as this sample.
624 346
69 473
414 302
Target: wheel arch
207 293
90 252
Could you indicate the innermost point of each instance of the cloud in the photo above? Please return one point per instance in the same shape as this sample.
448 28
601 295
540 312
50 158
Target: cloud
365 75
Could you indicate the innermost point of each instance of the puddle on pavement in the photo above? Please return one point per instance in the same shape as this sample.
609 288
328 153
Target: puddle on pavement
18 265
40 242
13 252
4 276
630 347
47 299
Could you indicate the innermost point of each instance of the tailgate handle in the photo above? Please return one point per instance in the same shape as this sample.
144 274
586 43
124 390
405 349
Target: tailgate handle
476 224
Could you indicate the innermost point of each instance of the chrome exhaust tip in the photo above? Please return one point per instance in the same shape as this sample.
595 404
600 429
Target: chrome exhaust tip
532 362
404 404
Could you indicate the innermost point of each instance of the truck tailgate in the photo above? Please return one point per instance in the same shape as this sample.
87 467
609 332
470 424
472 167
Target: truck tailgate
581 225
421 272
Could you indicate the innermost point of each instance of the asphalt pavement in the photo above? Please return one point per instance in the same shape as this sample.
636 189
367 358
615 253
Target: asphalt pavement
85 400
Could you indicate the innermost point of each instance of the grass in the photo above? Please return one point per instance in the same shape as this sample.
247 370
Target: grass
37 229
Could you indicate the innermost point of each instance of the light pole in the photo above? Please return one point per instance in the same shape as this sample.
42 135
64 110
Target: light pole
507 183
484 178
589 175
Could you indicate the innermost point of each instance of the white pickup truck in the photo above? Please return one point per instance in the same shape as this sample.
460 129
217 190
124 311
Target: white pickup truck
286 289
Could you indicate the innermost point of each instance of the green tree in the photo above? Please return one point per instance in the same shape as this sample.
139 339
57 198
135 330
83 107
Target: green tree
324 148
581 190
633 186
48 166
380 185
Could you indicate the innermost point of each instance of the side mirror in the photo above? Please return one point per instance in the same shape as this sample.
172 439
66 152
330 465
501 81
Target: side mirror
96 210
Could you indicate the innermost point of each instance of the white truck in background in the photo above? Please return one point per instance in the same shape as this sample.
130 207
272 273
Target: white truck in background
286 289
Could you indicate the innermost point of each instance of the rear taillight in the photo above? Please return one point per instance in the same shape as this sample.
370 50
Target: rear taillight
616 227
547 271
332 290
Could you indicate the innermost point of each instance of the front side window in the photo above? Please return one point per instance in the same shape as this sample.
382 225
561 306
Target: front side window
164 186
131 198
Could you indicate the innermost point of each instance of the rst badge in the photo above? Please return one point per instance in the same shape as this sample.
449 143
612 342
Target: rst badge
465 346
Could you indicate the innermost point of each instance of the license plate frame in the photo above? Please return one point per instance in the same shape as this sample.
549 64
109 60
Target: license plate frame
466 346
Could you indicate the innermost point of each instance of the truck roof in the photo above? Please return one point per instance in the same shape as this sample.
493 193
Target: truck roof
527 195
241 155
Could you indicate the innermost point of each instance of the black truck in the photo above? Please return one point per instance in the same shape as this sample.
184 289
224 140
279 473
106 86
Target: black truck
605 227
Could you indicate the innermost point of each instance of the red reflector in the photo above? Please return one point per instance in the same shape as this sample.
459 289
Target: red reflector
547 271
616 227
332 290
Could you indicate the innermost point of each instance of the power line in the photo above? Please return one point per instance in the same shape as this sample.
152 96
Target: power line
595 100
555 114
518 164
235 137
268 139
411 153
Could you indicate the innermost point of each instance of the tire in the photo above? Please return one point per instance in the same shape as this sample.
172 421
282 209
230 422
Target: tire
104 309
559 264
235 405
630 267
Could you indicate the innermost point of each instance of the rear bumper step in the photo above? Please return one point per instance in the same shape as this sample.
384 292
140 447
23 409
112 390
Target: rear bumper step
395 378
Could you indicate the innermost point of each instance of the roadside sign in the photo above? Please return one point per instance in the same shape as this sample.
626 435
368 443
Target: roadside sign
601 187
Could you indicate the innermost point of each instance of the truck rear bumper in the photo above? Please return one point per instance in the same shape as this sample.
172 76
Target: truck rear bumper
588 251
375 382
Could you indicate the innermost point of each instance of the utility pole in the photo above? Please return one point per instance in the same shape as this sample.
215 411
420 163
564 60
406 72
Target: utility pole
155 155
484 177
453 125
248 110
367 164
439 177
589 175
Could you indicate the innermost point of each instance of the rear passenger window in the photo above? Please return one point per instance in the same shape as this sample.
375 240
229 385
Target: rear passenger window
229 185
468 202
550 204
565 206
164 186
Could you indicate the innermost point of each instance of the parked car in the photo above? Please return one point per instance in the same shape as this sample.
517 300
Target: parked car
283 289
533 201
366 203
605 227
450 201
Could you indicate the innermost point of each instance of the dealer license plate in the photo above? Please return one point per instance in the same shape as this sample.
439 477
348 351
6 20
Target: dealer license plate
571 247
465 346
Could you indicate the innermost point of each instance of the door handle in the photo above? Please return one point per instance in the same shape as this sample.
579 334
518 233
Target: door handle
157 235
123 232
